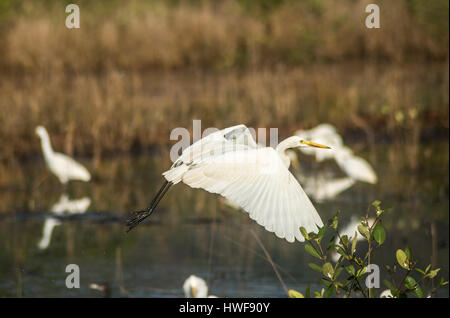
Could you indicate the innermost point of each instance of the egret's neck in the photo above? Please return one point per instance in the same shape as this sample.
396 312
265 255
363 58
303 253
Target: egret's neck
46 146
290 142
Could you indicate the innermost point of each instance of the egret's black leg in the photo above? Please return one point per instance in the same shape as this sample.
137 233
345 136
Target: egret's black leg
138 216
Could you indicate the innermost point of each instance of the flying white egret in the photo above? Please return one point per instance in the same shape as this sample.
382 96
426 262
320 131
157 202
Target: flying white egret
195 287
63 207
230 163
61 165
350 230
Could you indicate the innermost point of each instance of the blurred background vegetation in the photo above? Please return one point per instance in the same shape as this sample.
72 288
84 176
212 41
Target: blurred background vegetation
137 69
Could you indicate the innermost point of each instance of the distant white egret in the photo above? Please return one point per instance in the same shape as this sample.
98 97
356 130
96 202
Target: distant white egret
230 163
386 294
321 188
61 208
195 287
350 230
355 167
61 165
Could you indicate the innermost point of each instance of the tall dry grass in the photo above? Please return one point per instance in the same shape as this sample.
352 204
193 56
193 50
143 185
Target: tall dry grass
91 114
139 35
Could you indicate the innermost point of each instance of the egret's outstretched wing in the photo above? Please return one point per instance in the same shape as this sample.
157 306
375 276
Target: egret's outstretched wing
258 181
219 142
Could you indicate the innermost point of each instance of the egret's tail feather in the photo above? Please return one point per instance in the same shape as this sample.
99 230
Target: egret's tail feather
138 216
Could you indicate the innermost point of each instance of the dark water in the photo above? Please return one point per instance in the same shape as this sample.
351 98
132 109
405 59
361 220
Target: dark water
194 232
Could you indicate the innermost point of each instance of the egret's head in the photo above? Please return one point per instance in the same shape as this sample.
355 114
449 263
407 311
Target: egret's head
40 131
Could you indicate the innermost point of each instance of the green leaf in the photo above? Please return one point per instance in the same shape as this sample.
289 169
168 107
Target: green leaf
350 269
355 237
408 253
308 291
327 270
321 231
379 234
330 291
304 233
326 282
402 259
411 284
364 231
312 251
420 271
433 273
376 203
344 239
295 294
315 267
361 271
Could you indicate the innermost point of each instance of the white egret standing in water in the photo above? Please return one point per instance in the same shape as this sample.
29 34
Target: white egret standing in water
195 287
61 165
230 163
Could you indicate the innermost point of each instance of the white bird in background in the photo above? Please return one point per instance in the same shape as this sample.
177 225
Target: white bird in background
230 163
62 166
351 229
320 186
355 167
195 287
386 294
61 208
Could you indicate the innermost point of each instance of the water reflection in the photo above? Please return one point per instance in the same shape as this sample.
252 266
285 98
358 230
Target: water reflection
193 232
63 207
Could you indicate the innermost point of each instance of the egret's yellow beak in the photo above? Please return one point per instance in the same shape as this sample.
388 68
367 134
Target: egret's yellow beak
193 291
313 144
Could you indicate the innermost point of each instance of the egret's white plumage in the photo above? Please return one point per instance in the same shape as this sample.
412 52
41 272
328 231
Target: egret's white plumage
195 287
230 163
61 165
